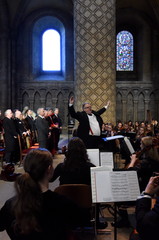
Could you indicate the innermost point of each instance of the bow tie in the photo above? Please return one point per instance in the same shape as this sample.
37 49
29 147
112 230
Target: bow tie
90 114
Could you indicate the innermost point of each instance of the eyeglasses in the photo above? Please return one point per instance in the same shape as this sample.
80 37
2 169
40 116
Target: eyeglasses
87 107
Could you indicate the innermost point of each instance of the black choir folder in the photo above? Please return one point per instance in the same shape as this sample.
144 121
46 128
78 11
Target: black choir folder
117 186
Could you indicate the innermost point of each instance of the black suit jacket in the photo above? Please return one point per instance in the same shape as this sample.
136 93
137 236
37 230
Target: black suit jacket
42 127
20 126
84 126
30 123
57 120
9 134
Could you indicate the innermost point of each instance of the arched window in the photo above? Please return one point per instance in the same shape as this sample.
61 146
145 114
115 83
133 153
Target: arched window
51 51
124 51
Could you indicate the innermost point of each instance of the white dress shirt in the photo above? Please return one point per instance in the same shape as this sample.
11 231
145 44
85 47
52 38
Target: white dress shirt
94 125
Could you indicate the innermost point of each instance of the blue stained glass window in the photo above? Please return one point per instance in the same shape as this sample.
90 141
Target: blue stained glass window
124 51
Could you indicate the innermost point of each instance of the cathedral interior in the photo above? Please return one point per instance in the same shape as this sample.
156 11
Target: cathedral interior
91 68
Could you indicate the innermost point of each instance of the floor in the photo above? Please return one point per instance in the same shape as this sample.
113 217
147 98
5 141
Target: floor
7 190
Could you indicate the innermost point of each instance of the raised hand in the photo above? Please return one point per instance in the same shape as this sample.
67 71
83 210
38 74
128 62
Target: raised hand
71 101
108 103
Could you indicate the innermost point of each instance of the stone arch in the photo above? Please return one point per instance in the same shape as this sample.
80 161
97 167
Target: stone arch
25 100
141 108
37 101
130 107
152 106
48 100
119 106
60 105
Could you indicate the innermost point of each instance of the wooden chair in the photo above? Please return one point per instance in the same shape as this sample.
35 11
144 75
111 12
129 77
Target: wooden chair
24 152
82 196
2 152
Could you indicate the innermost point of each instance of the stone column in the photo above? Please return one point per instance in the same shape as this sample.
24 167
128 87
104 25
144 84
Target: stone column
5 90
135 110
4 83
146 102
124 102
65 113
95 73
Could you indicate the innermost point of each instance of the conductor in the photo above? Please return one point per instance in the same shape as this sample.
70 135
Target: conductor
90 123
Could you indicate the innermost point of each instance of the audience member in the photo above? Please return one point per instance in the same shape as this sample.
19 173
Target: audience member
76 169
76 165
49 118
30 121
42 127
57 128
10 138
36 212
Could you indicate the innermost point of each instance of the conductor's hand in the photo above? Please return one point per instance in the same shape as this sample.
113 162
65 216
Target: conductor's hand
71 101
108 104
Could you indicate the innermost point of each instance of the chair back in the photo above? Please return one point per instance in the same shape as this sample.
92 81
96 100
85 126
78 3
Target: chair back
78 193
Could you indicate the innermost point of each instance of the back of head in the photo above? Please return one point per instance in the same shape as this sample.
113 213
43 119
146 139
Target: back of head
27 205
76 154
152 151
36 163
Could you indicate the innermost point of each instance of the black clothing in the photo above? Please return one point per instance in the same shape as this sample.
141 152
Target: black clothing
30 123
10 134
11 140
145 170
56 130
20 128
147 220
76 176
42 127
80 175
58 215
84 126
54 125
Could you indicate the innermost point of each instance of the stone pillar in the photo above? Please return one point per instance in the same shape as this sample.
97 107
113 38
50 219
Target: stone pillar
5 90
124 110
135 110
4 83
65 112
146 102
95 73
54 102
31 104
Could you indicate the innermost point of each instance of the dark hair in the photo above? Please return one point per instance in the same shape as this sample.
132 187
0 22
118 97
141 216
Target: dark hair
76 154
27 204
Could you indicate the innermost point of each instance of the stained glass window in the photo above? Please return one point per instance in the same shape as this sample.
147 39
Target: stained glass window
124 51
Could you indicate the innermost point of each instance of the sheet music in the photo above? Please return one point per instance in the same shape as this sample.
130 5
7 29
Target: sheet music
93 155
117 186
106 159
129 145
